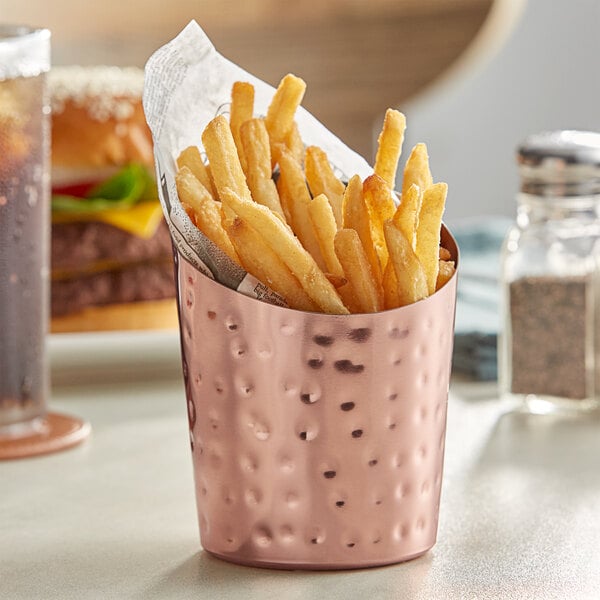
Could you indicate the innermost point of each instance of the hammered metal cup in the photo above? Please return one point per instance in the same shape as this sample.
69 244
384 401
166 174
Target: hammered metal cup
317 440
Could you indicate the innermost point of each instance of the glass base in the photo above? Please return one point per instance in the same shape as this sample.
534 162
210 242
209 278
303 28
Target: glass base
44 435
543 405
22 429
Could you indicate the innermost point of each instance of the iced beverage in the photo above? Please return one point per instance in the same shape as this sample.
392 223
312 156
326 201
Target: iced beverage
24 225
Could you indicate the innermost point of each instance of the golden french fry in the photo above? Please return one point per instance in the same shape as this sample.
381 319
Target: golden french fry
242 109
417 170
284 198
381 208
296 198
445 254
336 281
207 212
294 143
390 146
356 216
276 150
289 249
357 270
325 228
390 287
213 187
281 111
255 142
321 215
191 213
428 231
322 180
261 261
225 165
410 275
190 158
286 202
406 217
446 270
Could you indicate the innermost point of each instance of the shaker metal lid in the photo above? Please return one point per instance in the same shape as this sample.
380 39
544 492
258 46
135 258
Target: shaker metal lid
569 146
560 158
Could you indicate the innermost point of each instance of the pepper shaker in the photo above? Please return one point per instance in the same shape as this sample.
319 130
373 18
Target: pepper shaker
550 347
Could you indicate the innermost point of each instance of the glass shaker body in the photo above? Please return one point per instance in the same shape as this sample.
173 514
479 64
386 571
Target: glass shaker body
550 345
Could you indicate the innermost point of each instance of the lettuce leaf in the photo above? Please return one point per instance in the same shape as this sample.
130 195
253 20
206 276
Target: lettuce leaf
126 188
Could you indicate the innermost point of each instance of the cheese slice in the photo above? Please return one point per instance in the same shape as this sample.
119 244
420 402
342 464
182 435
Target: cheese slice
141 220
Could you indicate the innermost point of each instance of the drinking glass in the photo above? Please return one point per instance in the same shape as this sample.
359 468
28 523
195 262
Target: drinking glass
24 246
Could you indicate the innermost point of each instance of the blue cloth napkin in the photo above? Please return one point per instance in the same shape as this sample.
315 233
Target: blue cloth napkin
477 310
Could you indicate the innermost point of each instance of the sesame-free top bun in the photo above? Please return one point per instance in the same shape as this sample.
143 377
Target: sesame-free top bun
97 118
104 276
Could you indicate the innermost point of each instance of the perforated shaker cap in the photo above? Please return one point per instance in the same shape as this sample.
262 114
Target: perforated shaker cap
563 162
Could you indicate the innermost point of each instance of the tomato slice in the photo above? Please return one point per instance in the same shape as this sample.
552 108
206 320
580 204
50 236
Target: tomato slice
79 190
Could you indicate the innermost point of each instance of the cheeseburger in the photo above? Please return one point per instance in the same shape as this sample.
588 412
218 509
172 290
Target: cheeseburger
111 251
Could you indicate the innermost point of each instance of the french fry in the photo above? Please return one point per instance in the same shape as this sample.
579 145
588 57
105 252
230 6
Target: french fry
356 216
242 109
325 227
289 249
445 254
357 270
190 158
286 202
296 197
417 170
381 207
410 275
224 161
390 146
428 231
284 197
446 270
255 142
321 215
336 281
281 111
261 261
213 188
207 212
294 143
390 287
322 180
406 217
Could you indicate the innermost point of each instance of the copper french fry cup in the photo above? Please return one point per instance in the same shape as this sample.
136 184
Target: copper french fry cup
317 440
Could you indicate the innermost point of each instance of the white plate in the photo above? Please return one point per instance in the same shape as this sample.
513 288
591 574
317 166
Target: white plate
114 356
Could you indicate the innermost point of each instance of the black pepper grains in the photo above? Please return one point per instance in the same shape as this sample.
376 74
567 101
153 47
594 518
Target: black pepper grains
548 341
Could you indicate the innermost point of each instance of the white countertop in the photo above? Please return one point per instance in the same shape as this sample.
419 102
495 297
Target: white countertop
115 517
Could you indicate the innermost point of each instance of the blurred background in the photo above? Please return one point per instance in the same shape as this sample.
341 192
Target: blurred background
357 57
473 76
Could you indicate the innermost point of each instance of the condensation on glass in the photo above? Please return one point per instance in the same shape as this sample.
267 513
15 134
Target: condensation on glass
24 226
